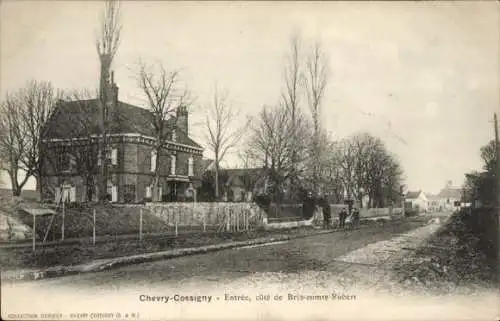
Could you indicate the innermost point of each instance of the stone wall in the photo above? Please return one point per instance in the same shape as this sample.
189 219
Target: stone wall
210 214
218 214
364 213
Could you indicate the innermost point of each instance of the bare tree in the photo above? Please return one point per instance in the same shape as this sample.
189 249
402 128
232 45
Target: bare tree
39 101
331 171
369 169
273 142
292 92
165 94
13 142
315 78
222 130
23 117
107 46
84 152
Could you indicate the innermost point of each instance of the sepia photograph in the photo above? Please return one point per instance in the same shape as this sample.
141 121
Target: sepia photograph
249 160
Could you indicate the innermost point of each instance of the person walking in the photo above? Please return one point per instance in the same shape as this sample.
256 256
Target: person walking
342 217
327 213
355 217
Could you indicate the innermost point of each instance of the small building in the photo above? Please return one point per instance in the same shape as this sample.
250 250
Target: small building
434 204
241 183
417 201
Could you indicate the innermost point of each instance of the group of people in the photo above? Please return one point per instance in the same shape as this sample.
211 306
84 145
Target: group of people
349 215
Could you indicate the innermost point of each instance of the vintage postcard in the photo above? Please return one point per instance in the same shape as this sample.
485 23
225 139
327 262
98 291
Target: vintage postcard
168 160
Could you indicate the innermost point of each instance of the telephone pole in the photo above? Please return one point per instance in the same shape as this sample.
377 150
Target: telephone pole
497 150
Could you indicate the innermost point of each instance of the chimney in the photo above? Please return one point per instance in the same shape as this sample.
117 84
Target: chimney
182 119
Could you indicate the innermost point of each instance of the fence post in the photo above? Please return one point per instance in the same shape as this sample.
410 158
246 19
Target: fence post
226 216
247 218
140 224
34 232
204 222
93 228
176 223
237 221
62 224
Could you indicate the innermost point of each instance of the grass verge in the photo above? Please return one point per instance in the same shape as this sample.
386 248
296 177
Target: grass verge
462 255
83 253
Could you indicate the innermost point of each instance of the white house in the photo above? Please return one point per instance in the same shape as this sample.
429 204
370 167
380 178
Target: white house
448 196
417 200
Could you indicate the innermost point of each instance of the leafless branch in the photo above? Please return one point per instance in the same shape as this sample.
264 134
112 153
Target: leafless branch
222 131
109 35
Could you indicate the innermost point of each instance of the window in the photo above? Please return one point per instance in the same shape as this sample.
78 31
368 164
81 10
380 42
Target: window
191 166
111 156
57 195
153 160
66 162
114 156
112 192
148 192
172 164
174 135
129 193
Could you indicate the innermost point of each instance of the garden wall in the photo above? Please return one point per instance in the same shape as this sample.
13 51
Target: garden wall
209 214
218 214
364 213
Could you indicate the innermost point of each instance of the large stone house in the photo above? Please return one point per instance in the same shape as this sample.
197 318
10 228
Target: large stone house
71 160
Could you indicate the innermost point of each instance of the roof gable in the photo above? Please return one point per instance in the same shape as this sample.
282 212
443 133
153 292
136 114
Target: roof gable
413 194
450 192
238 176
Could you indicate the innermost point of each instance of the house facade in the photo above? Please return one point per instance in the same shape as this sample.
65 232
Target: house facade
416 200
71 160
448 197
241 183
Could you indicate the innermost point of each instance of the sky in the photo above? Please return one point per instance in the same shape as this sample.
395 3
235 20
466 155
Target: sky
422 76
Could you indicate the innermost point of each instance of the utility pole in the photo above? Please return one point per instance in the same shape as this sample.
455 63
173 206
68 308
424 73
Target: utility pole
497 150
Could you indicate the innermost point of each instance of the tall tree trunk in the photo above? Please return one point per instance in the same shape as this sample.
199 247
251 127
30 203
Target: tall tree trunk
156 189
38 186
16 190
216 176
156 179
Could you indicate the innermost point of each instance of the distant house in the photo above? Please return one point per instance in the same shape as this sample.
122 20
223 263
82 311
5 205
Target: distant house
241 183
417 201
448 196
72 162
434 202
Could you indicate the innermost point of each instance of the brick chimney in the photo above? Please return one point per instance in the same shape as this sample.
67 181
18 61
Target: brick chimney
182 119
112 101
